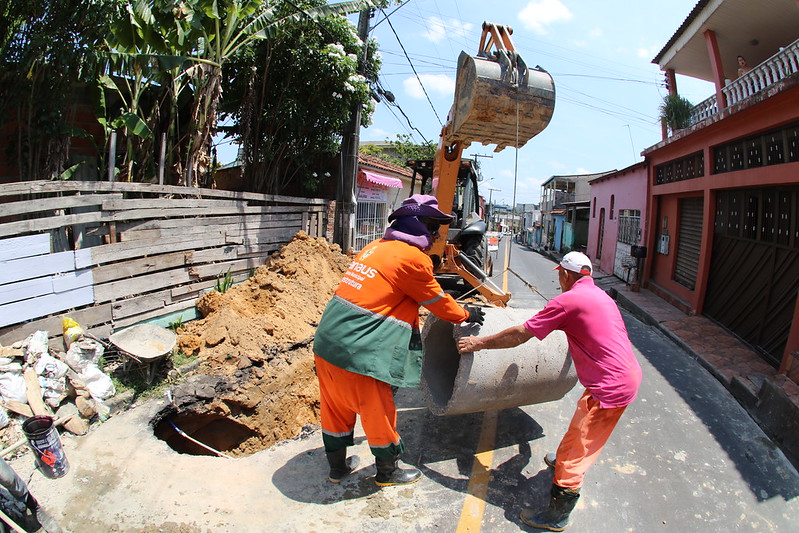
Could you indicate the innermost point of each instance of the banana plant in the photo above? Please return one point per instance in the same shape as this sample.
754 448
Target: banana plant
226 26
192 40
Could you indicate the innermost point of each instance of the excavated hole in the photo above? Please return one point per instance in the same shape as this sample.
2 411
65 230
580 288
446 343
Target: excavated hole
215 431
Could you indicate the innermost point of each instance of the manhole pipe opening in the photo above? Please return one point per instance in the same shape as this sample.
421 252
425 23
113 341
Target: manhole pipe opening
213 431
441 362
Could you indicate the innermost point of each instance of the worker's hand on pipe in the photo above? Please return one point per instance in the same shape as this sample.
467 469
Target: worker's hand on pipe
476 314
466 344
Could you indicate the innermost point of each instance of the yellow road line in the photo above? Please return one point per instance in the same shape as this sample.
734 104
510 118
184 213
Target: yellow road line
474 504
505 267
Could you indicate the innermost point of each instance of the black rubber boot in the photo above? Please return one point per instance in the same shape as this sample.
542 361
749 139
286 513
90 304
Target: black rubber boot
340 465
42 517
389 472
556 516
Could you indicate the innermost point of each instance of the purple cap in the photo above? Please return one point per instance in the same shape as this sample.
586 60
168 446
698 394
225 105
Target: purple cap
421 205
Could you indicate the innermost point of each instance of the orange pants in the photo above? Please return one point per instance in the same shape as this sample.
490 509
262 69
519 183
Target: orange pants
588 432
344 395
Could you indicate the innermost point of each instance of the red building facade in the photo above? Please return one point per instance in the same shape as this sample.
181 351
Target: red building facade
724 192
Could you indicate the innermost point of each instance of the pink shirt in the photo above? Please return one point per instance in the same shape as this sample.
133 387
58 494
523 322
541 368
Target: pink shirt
598 341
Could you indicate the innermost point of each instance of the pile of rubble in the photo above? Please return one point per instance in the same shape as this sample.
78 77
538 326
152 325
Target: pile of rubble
66 384
255 340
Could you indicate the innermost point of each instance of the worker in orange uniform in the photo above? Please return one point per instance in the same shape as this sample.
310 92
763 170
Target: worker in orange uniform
368 339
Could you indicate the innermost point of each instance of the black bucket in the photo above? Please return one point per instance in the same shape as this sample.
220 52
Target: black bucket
43 440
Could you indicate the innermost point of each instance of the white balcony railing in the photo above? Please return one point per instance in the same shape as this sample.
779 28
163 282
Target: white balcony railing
777 67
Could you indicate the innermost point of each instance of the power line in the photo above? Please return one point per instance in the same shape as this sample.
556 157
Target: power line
414 71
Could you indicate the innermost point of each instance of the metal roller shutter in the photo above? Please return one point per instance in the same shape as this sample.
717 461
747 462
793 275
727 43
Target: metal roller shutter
689 242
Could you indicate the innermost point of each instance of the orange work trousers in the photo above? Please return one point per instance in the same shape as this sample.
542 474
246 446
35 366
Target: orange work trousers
344 395
589 430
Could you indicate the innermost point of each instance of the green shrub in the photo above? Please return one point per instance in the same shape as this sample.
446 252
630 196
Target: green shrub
223 283
676 112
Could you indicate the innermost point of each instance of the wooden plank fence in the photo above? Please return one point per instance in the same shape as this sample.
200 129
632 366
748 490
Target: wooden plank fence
111 255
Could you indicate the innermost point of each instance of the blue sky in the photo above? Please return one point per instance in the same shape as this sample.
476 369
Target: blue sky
598 52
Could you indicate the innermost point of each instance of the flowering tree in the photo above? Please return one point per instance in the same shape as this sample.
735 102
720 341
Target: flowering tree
291 96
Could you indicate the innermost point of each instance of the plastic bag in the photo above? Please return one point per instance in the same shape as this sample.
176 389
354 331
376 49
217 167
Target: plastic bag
53 390
35 345
51 374
12 387
99 384
11 367
49 367
72 331
82 353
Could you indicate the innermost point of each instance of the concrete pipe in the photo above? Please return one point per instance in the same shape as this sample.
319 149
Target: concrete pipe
534 372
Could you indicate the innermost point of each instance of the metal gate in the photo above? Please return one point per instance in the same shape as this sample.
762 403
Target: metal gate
624 264
754 276
370 223
689 242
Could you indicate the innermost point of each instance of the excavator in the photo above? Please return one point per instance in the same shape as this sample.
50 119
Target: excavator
498 100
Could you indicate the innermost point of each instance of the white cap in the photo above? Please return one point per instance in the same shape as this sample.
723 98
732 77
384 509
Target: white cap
576 262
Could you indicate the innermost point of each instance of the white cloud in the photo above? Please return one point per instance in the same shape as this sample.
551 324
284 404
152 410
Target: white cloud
434 83
596 32
438 29
557 165
374 134
647 53
581 170
537 15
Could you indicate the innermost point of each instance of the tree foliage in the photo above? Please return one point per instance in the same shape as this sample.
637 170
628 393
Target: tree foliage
202 36
45 57
291 96
400 150
157 66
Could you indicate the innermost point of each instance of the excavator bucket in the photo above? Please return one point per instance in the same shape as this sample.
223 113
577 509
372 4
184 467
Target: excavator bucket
498 99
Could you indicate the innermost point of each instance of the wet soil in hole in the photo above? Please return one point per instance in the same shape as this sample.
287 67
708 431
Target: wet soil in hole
215 431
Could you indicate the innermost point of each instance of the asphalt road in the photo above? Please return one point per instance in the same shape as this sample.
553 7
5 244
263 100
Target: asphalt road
685 457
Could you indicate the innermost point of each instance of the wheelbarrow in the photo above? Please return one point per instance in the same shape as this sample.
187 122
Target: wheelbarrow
144 344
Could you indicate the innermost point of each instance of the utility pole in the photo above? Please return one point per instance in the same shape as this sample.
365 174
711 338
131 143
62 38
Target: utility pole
491 207
346 202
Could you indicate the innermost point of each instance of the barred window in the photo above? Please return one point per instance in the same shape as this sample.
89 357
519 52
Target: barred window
629 226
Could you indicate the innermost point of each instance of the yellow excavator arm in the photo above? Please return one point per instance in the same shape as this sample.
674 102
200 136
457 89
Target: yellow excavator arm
498 100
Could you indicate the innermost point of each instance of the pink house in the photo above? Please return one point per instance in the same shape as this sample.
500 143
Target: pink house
617 224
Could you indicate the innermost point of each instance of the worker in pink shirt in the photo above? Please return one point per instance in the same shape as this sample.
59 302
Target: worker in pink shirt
605 365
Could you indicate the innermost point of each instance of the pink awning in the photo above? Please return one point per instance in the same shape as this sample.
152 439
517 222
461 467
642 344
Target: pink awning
382 179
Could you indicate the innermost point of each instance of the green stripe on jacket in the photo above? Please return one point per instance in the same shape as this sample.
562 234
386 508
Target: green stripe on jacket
358 340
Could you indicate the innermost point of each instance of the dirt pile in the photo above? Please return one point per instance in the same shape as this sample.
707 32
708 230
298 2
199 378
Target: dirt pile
259 334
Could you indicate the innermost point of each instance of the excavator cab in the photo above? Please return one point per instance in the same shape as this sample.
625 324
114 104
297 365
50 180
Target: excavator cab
498 100
467 232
